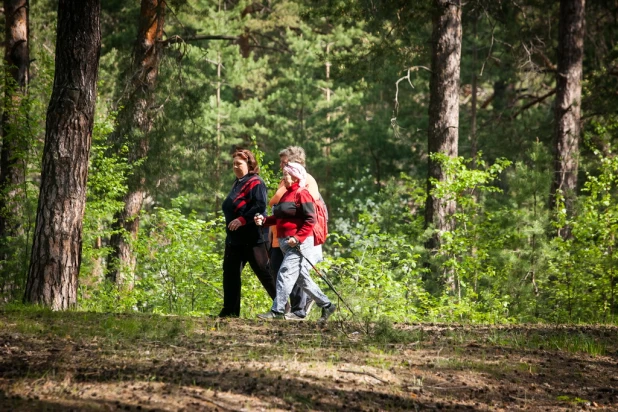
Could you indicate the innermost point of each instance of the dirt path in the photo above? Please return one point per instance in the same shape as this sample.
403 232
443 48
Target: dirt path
53 363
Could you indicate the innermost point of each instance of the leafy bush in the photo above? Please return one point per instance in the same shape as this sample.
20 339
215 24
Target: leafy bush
583 280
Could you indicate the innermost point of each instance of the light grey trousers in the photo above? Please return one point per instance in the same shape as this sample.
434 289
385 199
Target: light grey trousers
296 268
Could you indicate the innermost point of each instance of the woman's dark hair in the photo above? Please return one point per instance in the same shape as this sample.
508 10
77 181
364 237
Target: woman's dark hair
249 158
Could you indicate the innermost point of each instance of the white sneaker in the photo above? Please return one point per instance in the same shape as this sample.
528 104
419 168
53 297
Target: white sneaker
292 316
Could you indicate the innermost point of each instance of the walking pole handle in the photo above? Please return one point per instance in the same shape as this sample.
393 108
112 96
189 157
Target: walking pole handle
256 215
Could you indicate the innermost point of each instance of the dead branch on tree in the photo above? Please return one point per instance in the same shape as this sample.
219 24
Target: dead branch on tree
178 39
533 102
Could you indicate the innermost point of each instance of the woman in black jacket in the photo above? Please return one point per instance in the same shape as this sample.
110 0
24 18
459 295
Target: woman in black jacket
243 243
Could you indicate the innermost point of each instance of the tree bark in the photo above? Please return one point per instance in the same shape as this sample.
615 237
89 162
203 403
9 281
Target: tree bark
567 112
56 251
135 122
12 168
443 130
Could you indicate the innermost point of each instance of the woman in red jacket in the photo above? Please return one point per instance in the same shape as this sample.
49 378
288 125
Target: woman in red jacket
294 217
300 303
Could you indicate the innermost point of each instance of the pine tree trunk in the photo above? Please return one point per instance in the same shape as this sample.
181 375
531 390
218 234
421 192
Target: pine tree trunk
443 128
56 251
567 112
135 122
123 265
12 169
443 131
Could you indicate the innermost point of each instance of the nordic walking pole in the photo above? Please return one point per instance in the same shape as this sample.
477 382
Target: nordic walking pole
325 279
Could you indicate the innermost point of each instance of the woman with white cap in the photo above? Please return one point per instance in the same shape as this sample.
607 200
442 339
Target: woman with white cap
294 217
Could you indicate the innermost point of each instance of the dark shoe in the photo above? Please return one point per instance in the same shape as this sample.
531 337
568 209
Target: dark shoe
270 315
292 316
224 314
327 311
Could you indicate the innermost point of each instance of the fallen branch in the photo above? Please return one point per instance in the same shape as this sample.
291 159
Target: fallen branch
218 405
412 387
515 398
447 387
363 373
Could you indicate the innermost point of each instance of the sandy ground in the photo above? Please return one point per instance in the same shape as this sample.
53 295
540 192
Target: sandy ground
249 365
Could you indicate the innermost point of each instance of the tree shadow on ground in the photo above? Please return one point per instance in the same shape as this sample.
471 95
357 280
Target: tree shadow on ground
17 403
248 362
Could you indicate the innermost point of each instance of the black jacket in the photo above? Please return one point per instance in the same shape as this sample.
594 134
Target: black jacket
247 197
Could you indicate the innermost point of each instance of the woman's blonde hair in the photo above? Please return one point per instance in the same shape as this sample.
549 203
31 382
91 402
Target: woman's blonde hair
294 154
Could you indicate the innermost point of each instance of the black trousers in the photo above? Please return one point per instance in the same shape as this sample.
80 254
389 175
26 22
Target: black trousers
234 260
298 297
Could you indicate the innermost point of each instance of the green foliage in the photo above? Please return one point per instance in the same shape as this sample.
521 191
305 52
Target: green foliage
377 260
179 269
26 129
179 263
520 223
463 259
107 183
582 273
325 76
374 260
379 275
268 170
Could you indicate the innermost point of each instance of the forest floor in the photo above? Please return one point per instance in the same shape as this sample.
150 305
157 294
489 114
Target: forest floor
90 361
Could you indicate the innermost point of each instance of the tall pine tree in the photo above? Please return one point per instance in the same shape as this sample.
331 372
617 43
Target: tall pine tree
56 251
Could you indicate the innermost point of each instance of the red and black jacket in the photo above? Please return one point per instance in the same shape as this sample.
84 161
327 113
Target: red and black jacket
294 215
247 197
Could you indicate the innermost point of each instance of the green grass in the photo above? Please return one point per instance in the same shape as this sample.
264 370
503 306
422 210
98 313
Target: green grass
29 320
573 342
380 336
578 343
572 399
384 333
527 367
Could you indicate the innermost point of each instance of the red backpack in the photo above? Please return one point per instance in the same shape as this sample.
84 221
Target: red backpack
320 230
